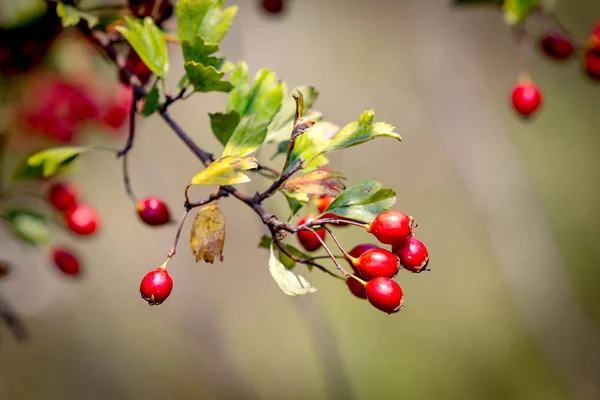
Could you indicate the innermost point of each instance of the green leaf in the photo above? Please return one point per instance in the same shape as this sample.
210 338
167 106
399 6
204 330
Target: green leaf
310 146
24 171
262 98
363 201
282 124
152 100
204 70
225 171
516 11
208 234
223 125
70 16
205 18
289 282
55 159
29 226
148 42
296 201
247 137
20 13
361 131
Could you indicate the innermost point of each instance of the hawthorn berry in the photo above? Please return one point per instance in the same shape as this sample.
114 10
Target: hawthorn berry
156 286
377 262
391 227
272 6
413 254
159 10
117 110
356 287
137 67
526 98
308 239
62 196
557 47
384 294
153 211
66 261
323 202
357 252
592 64
82 220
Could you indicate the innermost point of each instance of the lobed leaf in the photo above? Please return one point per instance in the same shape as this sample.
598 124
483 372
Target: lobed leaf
225 171
53 160
289 282
148 42
363 201
70 16
207 237
206 78
29 226
205 18
319 182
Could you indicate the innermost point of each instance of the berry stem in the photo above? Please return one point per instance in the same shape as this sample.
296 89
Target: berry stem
333 258
338 244
260 197
173 250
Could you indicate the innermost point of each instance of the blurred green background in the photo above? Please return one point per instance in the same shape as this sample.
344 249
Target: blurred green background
508 209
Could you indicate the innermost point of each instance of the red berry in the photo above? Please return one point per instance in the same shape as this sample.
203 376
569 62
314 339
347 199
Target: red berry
377 262
272 6
413 254
66 261
526 98
358 250
153 211
137 67
82 220
385 294
156 286
308 239
557 47
63 196
391 227
324 202
117 110
592 64
356 287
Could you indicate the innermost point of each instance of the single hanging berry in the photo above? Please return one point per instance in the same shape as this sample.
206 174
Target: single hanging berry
377 262
385 294
557 47
391 227
356 287
82 220
156 286
526 98
592 64
153 211
63 196
357 252
308 239
66 261
272 6
413 254
322 203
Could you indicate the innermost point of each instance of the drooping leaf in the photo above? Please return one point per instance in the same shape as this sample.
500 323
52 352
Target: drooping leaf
205 18
265 243
363 201
282 124
53 160
70 16
247 137
29 226
516 11
289 282
148 42
208 234
296 201
225 171
361 131
152 100
319 182
223 125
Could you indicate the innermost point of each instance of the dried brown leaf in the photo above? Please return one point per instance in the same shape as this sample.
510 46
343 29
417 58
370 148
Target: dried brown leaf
208 234
319 182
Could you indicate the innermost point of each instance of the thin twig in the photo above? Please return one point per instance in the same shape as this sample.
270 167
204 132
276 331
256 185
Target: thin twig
260 197
126 180
179 228
331 255
12 321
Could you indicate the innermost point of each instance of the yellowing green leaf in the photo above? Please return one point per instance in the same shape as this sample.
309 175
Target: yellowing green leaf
289 282
319 182
55 159
247 137
148 42
361 131
70 16
516 11
208 234
226 171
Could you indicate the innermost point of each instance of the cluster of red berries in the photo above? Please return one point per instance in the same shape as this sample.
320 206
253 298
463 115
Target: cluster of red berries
527 96
373 266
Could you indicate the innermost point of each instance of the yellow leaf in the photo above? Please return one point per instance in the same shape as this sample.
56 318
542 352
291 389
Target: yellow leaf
208 234
319 182
226 171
